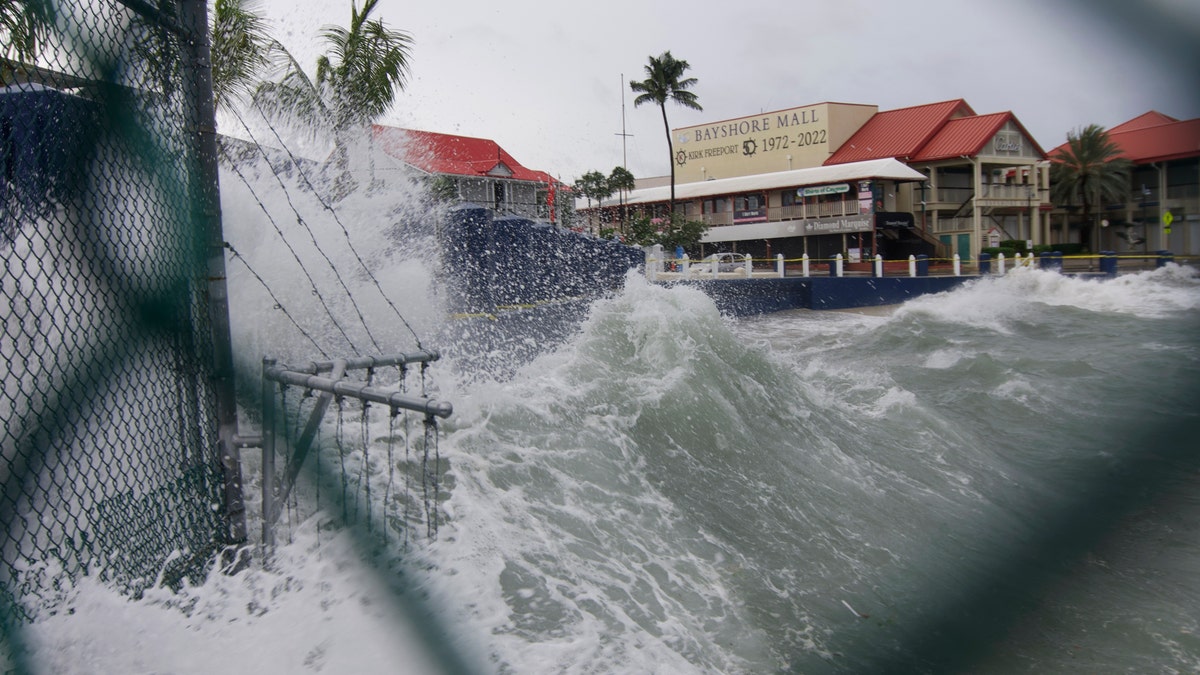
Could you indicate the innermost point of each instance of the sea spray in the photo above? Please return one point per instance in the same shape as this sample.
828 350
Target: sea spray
666 490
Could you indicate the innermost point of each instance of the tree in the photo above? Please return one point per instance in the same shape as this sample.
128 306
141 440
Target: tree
593 185
1088 168
443 189
241 49
665 82
674 230
25 25
356 80
621 181
367 64
680 231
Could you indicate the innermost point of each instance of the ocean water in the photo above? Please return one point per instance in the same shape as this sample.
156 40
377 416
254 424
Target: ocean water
1002 478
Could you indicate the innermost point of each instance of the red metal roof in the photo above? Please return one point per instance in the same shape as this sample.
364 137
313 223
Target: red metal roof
1177 140
432 152
968 136
1143 142
898 133
1149 119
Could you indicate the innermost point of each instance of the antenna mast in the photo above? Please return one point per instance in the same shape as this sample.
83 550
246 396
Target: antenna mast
623 135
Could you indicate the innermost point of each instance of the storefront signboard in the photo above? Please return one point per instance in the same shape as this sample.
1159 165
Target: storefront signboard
842 225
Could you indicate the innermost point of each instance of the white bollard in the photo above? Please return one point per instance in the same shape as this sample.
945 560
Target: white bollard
839 262
684 264
912 265
749 267
779 265
878 265
804 265
716 267
957 265
1000 263
1017 261
652 268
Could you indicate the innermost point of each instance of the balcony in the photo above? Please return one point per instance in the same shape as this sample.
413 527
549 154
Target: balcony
1009 195
944 225
777 214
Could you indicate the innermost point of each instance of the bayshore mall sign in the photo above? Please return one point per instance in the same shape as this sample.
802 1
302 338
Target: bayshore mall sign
797 138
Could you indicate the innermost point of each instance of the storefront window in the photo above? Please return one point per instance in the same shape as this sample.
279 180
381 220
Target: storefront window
718 205
749 202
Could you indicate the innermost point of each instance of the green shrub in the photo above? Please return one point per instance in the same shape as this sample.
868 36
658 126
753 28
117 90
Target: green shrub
1017 245
995 251
1039 249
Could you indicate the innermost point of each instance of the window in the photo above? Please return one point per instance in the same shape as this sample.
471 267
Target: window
498 195
718 205
749 202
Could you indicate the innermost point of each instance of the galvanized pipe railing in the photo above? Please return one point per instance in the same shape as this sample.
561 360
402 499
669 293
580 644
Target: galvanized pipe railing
275 495
363 392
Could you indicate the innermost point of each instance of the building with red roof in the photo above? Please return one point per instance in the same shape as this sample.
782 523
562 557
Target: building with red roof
1161 211
899 133
987 180
958 181
477 170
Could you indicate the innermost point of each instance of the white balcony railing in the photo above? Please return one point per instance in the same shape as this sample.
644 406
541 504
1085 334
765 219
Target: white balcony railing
944 225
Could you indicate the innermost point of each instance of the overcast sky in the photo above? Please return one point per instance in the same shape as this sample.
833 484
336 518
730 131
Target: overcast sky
545 79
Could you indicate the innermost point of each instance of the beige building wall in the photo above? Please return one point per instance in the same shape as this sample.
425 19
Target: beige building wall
796 138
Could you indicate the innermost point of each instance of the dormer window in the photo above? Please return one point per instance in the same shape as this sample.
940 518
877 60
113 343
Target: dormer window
500 171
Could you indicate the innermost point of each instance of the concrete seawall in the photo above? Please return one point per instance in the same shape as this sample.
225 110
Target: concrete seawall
747 297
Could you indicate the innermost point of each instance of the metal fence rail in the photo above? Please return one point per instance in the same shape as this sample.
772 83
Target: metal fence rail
111 452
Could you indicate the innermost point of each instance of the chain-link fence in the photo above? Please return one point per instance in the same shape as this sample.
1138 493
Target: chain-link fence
113 410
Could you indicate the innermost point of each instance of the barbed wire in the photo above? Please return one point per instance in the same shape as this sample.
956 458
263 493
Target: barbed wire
278 303
304 223
312 282
332 212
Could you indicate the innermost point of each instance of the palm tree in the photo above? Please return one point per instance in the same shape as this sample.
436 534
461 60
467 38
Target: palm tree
665 82
241 49
25 25
368 63
1089 167
622 181
593 185
356 81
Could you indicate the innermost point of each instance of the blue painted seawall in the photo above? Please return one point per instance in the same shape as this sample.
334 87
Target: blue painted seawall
516 288
747 297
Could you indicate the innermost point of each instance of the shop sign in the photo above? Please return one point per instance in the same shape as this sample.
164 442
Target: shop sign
843 225
1007 142
758 215
894 219
824 190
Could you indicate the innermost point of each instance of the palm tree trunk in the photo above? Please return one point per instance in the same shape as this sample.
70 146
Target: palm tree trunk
670 158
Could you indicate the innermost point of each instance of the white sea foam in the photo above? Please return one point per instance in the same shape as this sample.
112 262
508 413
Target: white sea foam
996 303
318 609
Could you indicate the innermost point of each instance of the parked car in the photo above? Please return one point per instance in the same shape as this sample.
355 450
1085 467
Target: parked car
727 262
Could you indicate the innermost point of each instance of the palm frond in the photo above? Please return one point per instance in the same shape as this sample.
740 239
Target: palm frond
290 95
241 49
25 28
366 64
